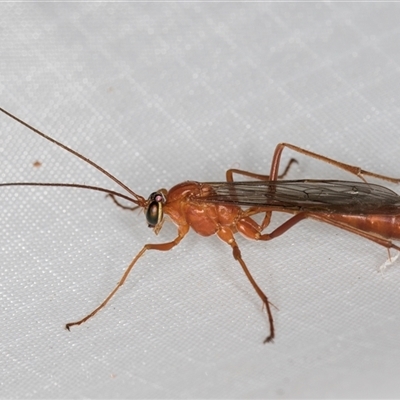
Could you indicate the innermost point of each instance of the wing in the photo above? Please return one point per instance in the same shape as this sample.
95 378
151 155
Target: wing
305 195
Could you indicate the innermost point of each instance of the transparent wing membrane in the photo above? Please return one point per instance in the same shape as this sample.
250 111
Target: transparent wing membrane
305 195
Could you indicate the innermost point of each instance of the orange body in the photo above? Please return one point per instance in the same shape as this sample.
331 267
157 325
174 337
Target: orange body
203 218
207 218
385 226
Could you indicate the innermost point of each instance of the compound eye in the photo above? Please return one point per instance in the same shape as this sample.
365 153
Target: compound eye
154 214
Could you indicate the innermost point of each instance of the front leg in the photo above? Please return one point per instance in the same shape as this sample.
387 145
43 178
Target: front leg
183 230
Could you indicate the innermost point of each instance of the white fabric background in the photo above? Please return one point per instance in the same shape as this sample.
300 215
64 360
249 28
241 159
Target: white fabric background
159 93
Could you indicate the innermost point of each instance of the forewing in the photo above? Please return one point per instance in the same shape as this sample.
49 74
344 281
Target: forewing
306 195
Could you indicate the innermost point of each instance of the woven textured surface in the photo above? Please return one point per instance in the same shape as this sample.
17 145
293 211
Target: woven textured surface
162 93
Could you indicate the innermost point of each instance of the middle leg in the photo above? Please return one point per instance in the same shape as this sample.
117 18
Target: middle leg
227 236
